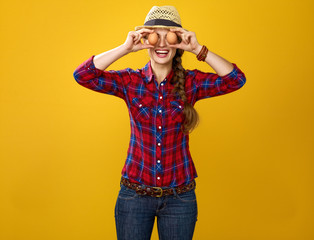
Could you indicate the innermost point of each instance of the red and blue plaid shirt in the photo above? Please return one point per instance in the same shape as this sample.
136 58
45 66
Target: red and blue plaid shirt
158 153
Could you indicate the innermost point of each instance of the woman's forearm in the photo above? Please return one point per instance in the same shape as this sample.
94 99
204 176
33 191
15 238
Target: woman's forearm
105 59
221 66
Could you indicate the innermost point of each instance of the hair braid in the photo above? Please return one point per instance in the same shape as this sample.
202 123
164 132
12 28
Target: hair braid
191 115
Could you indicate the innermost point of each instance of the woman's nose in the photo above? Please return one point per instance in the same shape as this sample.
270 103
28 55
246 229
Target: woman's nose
162 41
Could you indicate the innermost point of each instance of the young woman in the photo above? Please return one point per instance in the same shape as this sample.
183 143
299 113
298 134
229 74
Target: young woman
158 177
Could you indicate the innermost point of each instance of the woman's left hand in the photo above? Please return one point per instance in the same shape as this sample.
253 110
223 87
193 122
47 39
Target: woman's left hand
189 42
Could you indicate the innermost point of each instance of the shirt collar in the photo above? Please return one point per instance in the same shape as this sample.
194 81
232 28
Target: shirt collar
147 73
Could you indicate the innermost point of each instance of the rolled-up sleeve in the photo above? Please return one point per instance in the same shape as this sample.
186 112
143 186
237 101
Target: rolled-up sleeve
211 84
108 82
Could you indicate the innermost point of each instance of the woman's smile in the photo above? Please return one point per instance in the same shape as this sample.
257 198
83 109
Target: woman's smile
162 53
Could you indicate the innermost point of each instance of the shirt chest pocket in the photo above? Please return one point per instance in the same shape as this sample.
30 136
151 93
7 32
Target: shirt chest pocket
176 110
141 109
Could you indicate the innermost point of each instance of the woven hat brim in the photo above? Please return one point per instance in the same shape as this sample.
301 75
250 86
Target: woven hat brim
157 26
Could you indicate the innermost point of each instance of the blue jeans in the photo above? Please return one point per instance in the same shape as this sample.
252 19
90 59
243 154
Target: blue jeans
135 215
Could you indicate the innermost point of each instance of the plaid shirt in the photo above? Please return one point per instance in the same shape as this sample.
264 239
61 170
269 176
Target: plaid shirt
158 153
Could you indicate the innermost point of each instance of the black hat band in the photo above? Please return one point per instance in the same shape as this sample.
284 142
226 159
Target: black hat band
163 22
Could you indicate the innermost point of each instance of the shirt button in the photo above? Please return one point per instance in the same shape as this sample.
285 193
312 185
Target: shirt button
159 144
140 105
159 127
161 84
160 111
180 106
160 97
158 178
158 161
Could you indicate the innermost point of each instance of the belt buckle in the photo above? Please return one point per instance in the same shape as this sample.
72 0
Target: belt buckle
158 188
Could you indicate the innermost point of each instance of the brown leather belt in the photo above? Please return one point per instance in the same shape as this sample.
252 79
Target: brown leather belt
156 191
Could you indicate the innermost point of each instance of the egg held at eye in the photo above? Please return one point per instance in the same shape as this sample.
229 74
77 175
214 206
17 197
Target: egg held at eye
172 38
153 38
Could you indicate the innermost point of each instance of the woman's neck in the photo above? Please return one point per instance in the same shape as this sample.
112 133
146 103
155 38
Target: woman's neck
161 71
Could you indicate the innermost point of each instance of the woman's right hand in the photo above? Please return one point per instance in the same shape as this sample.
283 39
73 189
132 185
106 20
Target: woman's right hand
133 42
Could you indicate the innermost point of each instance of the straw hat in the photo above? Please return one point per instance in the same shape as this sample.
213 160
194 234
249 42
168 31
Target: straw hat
162 17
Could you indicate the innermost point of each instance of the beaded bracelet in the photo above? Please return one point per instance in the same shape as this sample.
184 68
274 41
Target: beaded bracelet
202 54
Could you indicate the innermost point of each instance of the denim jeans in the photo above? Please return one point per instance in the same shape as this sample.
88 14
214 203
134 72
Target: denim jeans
135 215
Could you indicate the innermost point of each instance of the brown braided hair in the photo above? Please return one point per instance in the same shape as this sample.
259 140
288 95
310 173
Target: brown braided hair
191 119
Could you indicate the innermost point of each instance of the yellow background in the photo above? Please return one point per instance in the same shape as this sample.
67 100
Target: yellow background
63 146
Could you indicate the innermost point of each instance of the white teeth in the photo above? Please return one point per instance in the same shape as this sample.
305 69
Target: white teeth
162 52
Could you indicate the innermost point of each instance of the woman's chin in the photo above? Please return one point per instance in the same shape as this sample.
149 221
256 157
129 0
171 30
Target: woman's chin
162 61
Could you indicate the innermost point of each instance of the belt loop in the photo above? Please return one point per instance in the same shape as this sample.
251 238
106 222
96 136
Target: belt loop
174 191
